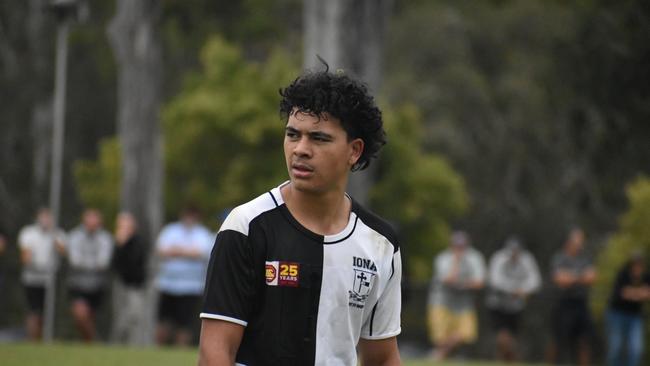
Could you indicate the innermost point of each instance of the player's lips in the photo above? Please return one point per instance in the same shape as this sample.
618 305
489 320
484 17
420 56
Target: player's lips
301 170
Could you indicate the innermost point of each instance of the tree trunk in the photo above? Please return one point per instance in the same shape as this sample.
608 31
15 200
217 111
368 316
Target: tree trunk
41 121
135 40
348 34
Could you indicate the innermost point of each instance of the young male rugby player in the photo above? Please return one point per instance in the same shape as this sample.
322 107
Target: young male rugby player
303 275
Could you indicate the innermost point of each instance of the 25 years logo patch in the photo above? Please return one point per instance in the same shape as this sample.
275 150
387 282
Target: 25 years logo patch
279 273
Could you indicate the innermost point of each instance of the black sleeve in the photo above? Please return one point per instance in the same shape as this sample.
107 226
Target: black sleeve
129 255
230 284
138 252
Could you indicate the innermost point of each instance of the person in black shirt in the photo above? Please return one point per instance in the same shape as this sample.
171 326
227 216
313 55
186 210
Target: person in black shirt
625 314
303 275
129 263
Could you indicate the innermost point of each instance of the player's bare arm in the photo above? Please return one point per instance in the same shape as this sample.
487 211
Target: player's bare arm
219 342
382 352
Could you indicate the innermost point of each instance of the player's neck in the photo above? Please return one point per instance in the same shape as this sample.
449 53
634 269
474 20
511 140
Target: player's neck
323 213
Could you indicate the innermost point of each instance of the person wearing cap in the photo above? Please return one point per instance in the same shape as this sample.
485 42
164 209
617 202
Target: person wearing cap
459 272
513 276
625 313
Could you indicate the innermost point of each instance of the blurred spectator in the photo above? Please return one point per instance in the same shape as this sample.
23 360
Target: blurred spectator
3 265
129 263
625 314
38 244
89 252
459 273
3 244
513 276
184 248
573 275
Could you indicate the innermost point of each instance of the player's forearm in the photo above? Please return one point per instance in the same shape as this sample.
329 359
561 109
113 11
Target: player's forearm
209 356
390 360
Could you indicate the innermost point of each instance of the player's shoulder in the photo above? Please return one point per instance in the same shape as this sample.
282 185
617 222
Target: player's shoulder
377 224
240 217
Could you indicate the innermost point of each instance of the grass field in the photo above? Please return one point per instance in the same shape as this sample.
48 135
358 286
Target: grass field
71 354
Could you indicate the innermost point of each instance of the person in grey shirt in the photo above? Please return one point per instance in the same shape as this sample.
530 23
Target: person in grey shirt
459 273
513 277
89 251
572 274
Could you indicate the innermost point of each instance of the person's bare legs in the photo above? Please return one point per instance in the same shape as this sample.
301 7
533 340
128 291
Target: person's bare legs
445 348
551 353
505 346
84 320
163 333
183 337
34 325
584 352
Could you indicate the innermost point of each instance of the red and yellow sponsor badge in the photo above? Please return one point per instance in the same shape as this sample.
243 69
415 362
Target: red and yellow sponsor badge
282 273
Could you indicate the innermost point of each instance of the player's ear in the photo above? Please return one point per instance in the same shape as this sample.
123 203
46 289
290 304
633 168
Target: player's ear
356 149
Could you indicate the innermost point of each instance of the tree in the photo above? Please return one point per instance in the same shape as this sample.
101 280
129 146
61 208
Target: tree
226 130
348 34
633 235
136 43
137 46
416 190
227 149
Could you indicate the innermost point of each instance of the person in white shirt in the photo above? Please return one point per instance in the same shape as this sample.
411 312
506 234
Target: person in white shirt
184 249
38 245
513 277
89 251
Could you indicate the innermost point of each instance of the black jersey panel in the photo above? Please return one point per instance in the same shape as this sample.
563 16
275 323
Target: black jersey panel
282 327
377 224
230 283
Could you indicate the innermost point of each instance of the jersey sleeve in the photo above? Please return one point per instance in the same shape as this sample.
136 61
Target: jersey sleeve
25 239
165 238
384 321
230 284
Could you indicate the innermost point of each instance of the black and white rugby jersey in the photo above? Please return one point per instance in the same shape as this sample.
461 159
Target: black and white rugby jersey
304 298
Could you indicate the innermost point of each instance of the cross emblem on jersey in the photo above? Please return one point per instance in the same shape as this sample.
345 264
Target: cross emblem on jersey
362 282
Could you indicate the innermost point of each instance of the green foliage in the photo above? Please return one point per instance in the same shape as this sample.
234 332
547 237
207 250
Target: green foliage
223 146
633 235
417 190
98 182
223 133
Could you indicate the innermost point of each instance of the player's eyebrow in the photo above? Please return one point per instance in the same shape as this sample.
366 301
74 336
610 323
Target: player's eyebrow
319 135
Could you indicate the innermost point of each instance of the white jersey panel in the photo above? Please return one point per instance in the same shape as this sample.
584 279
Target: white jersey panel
357 271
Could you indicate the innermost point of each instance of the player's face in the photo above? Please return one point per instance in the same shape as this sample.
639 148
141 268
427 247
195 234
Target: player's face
318 153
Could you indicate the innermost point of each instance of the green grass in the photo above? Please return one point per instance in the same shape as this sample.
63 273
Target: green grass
97 355
74 354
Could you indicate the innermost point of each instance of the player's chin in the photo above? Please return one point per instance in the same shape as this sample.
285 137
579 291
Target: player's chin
305 185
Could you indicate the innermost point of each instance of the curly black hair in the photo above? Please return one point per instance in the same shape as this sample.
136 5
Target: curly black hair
344 98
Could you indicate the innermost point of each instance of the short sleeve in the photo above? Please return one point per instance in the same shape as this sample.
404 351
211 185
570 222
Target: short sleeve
478 266
230 284
207 242
165 238
24 239
384 321
440 267
556 264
